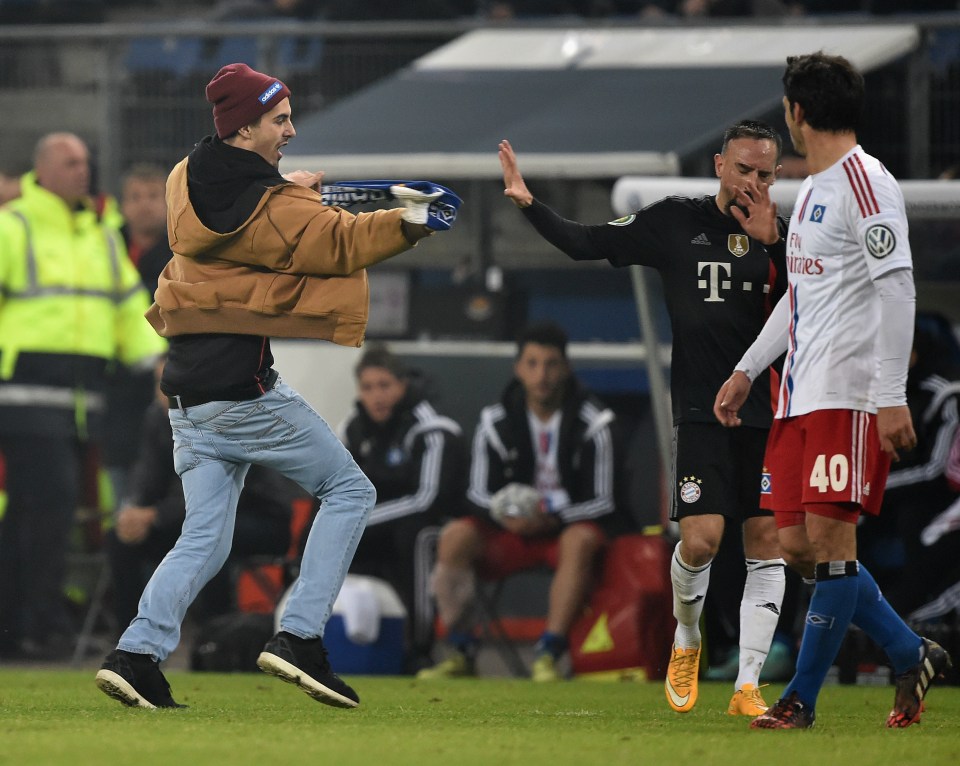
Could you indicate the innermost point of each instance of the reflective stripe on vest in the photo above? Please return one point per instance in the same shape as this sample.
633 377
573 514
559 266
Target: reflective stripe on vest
34 289
27 395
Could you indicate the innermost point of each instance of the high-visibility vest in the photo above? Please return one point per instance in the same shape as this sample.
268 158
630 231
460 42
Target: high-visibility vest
67 285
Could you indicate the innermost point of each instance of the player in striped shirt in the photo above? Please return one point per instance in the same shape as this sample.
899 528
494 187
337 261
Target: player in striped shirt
846 323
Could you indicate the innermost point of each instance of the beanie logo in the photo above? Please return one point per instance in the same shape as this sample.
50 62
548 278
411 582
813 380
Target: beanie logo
270 92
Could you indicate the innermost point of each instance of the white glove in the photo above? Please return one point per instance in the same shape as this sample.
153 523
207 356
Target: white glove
416 203
517 501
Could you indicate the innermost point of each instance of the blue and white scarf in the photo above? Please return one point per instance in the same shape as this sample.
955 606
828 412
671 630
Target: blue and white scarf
442 212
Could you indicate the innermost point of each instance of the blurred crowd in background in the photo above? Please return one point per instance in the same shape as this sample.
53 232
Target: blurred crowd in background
94 11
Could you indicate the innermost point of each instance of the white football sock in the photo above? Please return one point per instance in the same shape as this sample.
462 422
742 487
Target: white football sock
759 614
689 590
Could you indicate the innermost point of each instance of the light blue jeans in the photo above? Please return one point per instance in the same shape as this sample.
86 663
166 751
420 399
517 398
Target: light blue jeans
214 445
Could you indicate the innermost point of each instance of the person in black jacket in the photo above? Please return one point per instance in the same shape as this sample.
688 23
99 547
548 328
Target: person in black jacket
151 514
722 261
543 491
416 459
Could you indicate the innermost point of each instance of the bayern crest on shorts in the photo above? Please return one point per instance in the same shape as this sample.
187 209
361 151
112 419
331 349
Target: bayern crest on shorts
690 489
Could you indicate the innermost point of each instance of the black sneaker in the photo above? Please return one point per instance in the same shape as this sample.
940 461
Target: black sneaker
786 713
135 680
303 661
912 686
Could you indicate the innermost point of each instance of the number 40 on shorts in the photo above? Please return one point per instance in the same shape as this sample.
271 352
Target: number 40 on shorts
833 474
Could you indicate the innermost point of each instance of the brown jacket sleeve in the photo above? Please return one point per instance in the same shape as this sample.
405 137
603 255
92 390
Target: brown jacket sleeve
290 231
312 239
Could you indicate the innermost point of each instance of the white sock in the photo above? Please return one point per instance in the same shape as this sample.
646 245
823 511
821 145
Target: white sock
759 614
689 590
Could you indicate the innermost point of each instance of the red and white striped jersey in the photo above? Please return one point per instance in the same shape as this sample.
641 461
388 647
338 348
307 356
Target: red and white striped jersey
849 227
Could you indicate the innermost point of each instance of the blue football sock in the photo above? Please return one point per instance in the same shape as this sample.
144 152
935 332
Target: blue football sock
875 617
463 642
553 643
831 608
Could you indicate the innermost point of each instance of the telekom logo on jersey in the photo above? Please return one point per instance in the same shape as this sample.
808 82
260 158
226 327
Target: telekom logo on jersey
717 279
797 264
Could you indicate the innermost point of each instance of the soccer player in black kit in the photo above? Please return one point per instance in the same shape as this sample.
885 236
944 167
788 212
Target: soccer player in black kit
721 259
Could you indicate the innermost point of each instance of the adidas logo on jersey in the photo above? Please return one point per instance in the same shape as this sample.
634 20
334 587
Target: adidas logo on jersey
700 239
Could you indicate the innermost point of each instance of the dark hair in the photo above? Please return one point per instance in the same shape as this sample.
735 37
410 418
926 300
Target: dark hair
378 355
829 88
752 129
145 171
543 334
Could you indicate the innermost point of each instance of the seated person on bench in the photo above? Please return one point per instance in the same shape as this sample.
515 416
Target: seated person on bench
544 466
417 460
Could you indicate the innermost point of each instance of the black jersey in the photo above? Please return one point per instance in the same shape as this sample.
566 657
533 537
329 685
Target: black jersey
719 285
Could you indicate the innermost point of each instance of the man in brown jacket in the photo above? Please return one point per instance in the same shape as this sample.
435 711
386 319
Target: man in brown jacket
256 254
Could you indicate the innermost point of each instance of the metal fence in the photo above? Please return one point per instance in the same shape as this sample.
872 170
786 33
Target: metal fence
134 92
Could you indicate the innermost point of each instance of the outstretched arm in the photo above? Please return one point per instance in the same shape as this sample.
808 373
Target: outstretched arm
571 237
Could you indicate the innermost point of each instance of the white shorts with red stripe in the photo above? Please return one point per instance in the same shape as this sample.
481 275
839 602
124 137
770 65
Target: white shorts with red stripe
825 456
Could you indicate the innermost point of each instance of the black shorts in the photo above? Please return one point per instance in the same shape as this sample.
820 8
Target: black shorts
717 470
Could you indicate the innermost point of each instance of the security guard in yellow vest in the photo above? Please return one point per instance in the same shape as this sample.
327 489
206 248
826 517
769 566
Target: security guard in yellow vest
70 303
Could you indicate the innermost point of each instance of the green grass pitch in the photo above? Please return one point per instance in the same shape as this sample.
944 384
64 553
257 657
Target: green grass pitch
59 717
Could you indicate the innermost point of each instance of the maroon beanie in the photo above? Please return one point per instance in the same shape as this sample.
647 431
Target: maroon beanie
241 95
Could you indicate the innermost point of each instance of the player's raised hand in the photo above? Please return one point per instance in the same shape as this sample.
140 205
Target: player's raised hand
730 398
514 186
756 212
895 428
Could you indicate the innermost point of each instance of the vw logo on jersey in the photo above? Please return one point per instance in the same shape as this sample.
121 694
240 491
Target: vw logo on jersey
881 241
816 215
625 221
738 244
